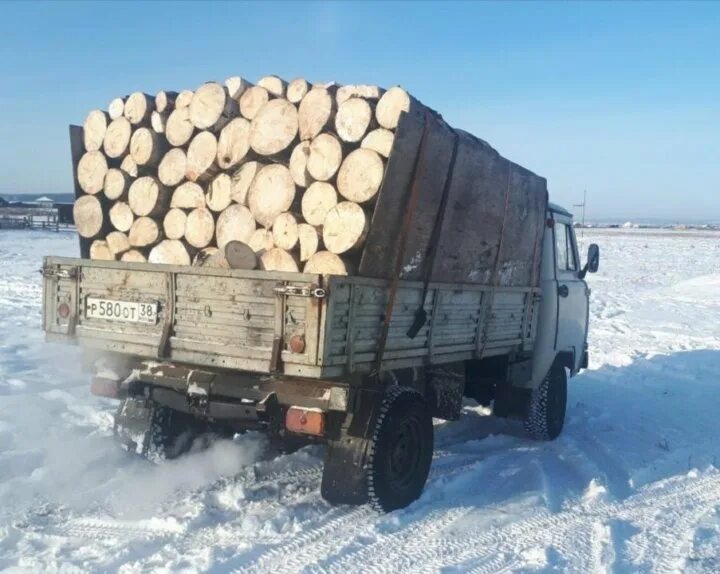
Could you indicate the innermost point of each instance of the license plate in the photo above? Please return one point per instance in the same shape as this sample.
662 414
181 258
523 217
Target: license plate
130 311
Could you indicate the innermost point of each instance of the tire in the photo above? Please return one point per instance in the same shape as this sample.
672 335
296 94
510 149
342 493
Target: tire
546 411
172 433
400 451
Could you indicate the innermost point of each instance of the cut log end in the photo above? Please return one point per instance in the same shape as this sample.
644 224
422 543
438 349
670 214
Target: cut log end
117 242
199 227
172 168
315 112
274 85
133 256
99 250
212 107
235 223
326 263
138 108
88 216
147 196
241 180
116 184
144 232
116 108
94 129
121 216
297 90
285 231
345 228
272 191
252 100
274 127
353 120
392 104
277 259
189 195
380 141
261 240
179 129
169 252
91 171
309 240
325 157
317 202
298 164
360 175
233 143
117 137
239 255
174 223
219 194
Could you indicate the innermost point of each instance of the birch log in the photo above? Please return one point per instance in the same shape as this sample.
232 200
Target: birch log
317 202
309 240
277 259
252 100
91 171
144 232
199 227
233 143
297 89
117 138
285 231
219 193
326 263
345 227
212 107
235 223
169 252
116 184
88 216
138 108
380 141
189 195
360 175
133 256
315 112
274 127
272 191
298 164
353 120
174 223
121 216
325 157
202 157
147 196
242 179
99 250
147 147
179 129
94 129
172 168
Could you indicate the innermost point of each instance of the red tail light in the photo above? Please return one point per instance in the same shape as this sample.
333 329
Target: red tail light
305 421
63 310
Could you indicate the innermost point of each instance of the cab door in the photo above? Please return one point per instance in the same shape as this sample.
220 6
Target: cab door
572 293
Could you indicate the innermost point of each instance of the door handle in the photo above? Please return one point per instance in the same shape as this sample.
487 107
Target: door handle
563 290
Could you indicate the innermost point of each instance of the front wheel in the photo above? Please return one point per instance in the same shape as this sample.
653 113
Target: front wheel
546 412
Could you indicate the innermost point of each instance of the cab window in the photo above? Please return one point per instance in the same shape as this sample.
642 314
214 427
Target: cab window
564 249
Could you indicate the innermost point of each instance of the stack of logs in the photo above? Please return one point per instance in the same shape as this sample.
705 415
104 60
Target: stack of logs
280 176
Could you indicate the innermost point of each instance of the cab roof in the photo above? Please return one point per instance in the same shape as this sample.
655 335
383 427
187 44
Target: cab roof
555 208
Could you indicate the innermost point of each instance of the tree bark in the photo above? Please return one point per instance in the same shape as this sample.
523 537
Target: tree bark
138 108
309 241
179 129
172 168
148 197
117 138
345 227
219 193
272 191
116 184
99 250
233 143
317 202
325 157
189 195
380 141
240 256
200 227
353 120
252 100
174 223
285 231
88 216
133 256
94 129
121 216
316 111
241 180
298 164
274 128
277 259
91 171
360 175
169 252
144 232
274 85
117 242
326 263
202 157
235 223
297 90
147 147
212 107
261 240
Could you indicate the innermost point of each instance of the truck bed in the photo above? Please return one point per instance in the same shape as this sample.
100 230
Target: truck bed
286 323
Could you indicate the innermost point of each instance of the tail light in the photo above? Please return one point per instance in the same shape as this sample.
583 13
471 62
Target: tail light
305 421
63 310
107 388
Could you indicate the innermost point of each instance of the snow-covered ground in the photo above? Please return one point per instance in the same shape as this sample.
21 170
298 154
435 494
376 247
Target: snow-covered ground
630 486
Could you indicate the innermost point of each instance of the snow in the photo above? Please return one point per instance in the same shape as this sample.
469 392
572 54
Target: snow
631 486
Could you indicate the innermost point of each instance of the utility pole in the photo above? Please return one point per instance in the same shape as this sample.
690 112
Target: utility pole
583 204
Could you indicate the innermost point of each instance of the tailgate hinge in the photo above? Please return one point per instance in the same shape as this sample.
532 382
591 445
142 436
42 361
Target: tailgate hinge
56 273
311 291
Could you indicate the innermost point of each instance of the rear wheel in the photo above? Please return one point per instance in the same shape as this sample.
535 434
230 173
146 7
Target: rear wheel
546 412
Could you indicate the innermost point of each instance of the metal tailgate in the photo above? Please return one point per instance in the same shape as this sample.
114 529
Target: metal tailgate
213 317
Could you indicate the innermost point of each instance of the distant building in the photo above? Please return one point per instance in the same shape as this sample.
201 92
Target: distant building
44 201
3 202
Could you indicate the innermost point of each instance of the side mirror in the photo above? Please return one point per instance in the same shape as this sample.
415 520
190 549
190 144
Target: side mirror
593 260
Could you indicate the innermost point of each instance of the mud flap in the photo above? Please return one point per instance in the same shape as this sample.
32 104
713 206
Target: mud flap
344 479
132 424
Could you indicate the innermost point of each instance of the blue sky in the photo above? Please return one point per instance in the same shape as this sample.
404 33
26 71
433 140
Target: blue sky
622 99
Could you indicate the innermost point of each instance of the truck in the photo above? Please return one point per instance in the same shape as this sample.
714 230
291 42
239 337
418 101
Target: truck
468 285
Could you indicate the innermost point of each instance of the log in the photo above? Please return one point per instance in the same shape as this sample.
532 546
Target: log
121 216
353 120
252 100
325 157
179 129
360 175
274 127
116 184
203 255
317 202
202 158
235 223
219 193
366 91
184 99
240 256
147 196
315 113
117 242
285 231
174 223
129 166
212 107
164 101
94 129
133 256
297 89
117 138
99 250
91 171
158 121
326 263
272 191
393 102
233 143
169 252
116 108
261 240
277 259
345 227
242 179
147 147
189 195
380 141
298 164
138 108
309 240
144 232
200 227
274 85
236 86
172 168
88 216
